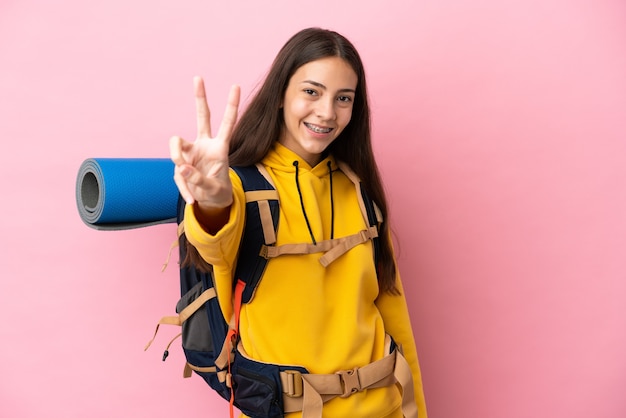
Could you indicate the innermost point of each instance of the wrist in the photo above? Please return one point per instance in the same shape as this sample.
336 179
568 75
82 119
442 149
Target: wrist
212 218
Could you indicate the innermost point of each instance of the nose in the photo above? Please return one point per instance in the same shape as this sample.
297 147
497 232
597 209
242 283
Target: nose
325 109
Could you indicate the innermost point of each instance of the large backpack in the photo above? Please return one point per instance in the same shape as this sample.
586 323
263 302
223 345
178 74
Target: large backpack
210 344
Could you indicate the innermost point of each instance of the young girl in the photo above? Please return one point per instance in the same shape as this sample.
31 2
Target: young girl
309 127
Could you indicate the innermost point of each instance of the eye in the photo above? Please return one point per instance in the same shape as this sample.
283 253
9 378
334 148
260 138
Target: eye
310 92
345 100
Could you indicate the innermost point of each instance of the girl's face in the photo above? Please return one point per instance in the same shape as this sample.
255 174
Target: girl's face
317 106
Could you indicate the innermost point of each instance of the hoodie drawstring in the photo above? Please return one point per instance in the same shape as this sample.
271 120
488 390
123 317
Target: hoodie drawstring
332 204
306 218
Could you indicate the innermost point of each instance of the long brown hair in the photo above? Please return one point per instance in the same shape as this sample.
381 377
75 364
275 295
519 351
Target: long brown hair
262 122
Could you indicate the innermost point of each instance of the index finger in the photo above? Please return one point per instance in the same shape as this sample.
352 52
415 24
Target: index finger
203 114
230 113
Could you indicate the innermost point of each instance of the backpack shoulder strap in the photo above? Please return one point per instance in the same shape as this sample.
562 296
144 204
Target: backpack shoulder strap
262 212
374 217
370 211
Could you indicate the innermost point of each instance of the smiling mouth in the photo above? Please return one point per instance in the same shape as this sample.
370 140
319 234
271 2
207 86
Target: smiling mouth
317 129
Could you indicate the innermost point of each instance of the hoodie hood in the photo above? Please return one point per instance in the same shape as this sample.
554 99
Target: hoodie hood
286 163
281 158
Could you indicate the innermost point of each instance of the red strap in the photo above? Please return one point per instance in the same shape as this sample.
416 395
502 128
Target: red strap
232 335
241 285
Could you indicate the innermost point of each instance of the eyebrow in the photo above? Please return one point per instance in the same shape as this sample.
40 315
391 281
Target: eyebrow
320 85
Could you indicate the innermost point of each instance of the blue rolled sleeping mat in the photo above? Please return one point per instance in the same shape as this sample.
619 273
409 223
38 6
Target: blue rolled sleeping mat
126 193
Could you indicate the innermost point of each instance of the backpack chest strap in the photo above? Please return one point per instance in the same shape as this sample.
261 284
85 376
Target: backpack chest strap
332 248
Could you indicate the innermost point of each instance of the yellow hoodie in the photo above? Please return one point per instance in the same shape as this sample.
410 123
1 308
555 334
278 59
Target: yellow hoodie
325 319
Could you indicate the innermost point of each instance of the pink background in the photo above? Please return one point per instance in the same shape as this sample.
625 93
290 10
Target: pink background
500 128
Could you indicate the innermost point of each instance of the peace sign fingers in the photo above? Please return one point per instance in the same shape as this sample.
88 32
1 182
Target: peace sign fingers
230 113
202 169
203 114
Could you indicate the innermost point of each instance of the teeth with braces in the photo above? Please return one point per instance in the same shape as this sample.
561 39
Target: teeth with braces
317 129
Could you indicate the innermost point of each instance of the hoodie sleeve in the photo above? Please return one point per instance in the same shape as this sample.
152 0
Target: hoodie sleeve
394 311
220 249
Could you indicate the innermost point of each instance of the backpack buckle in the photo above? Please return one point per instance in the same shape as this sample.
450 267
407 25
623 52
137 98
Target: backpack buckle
349 382
293 384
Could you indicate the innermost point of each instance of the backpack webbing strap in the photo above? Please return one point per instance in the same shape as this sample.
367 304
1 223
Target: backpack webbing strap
360 192
371 212
184 314
211 369
308 392
176 243
402 372
262 198
332 249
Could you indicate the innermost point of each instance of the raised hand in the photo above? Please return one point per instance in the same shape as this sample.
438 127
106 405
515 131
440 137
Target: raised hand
201 167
